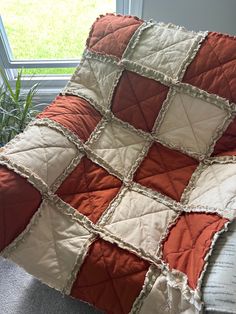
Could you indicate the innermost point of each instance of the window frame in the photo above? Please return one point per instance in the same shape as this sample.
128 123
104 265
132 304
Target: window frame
50 85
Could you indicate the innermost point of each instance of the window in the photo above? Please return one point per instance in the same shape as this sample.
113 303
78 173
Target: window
46 38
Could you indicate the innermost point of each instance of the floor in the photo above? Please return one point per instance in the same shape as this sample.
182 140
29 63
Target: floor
22 294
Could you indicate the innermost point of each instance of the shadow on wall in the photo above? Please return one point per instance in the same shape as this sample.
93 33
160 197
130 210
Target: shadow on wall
212 15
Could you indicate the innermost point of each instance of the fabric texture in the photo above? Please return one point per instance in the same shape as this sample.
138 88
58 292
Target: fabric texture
117 192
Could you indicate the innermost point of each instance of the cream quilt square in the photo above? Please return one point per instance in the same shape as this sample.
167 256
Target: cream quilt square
94 80
191 124
164 49
215 187
141 221
119 147
44 151
51 248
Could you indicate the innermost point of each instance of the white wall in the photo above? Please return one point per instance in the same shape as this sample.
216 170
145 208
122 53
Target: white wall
212 15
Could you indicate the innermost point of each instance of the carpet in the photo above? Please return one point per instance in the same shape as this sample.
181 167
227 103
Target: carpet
20 293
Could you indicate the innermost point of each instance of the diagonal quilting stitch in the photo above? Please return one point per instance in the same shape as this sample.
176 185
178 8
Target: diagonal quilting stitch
96 84
192 238
45 152
140 109
138 217
116 148
112 33
163 49
118 151
89 193
155 95
223 72
190 233
168 175
34 148
142 101
114 278
186 126
167 63
111 280
103 35
54 242
218 185
206 191
210 69
157 174
165 56
189 122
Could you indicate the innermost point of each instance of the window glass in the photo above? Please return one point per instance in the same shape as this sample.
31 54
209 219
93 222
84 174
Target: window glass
50 29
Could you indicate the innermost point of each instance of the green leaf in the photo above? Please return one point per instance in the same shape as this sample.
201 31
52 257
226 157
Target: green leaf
28 105
18 85
8 86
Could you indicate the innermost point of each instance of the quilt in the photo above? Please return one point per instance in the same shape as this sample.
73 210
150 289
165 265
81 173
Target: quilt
117 192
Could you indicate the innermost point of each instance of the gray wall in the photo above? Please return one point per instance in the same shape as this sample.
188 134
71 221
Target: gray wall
212 15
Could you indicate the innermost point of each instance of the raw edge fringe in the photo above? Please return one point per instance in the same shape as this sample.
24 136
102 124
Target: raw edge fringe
139 159
24 172
135 39
78 263
191 54
102 16
107 214
21 237
209 253
178 280
150 278
218 133
73 164
72 137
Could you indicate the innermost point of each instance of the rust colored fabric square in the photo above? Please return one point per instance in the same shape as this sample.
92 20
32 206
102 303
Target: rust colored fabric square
111 278
214 67
19 201
138 100
74 113
89 189
166 171
110 34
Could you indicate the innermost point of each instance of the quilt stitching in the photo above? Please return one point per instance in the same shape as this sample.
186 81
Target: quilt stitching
111 34
219 128
129 248
111 280
190 54
138 102
207 190
78 263
189 123
195 241
212 68
89 189
163 49
168 175
128 184
220 65
140 108
111 273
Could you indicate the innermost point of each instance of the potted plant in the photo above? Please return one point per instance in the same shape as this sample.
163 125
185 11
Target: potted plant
17 108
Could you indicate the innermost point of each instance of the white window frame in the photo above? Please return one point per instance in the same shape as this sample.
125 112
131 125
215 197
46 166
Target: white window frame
50 85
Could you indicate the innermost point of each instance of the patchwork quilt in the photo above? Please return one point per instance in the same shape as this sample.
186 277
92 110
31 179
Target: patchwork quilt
117 192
